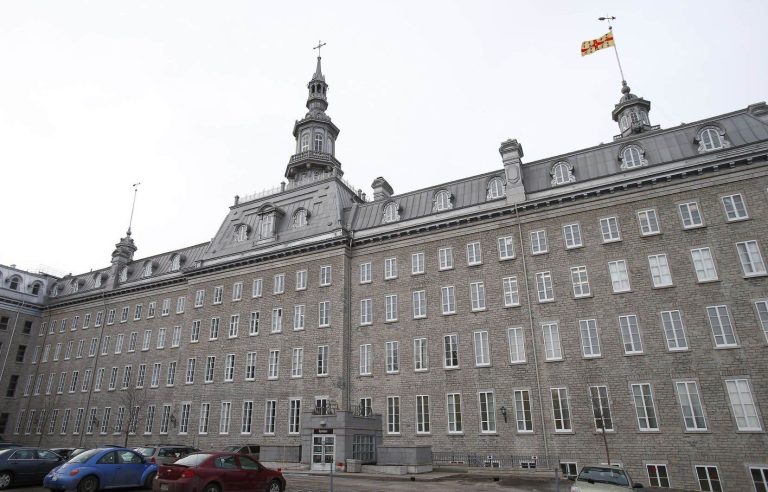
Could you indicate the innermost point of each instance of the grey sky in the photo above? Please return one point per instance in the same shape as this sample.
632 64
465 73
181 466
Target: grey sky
197 100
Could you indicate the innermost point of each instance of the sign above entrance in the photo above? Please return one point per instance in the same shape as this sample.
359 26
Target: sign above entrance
322 431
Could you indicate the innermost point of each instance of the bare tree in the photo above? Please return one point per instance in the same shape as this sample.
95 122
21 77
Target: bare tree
133 400
49 404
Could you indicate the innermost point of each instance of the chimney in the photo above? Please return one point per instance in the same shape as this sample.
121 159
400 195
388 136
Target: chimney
381 189
511 154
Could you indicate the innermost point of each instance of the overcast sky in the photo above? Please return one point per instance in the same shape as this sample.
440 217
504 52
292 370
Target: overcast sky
197 100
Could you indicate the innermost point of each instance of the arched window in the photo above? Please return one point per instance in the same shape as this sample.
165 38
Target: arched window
632 156
305 142
442 201
14 282
123 274
709 139
176 263
300 218
97 279
644 117
624 122
495 188
147 272
35 288
391 212
267 226
241 233
562 173
75 285
329 145
319 142
55 291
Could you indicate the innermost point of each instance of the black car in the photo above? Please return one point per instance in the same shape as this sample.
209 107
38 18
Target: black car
6 445
65 453
251 449
26 465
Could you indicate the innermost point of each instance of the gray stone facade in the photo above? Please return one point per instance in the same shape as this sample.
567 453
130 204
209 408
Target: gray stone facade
658 340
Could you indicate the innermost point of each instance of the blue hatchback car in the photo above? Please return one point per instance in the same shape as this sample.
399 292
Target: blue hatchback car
102 468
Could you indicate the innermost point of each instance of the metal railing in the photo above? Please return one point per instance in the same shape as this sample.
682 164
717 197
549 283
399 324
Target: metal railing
476 460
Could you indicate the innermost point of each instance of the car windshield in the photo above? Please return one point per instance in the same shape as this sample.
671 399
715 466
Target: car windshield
193 459
232 449
146 451
83 457
604 475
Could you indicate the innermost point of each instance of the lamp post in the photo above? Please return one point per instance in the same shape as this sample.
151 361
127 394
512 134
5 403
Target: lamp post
503 411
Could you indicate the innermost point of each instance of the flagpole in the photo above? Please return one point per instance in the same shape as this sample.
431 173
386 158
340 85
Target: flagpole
609 18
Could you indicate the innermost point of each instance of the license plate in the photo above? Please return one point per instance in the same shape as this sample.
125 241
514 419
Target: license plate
163 486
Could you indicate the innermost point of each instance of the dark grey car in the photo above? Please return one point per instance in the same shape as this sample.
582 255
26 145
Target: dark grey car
26 465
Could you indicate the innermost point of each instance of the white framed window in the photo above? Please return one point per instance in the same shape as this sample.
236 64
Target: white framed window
601 408
544 287
180 304
366 359
422 414
392 357
176 337
420 304
417 263
580 282
366 311
194 333
274 364
213 333
199 300
735 207
445 258
660 274
710 139
561 410
365 273
632 156
123 314
619 276
451 351
590 341
448 299
690 404
323 358
237 291
390 305
562 173
511 293
278 285
170 379
704 264
277 320
420 354
649 222
226 417
253 323
324 314
294 415
147 340
487 412
722 329
474 254
743 405
539 242
482 349
477 295
247 417
552 348
442 201
298 317
506 247
131 343
751 260
234 325
190 374
658 476
690 215
393 415
516 342
708 477
257 287
630 334
270 413
674 331
391 213
523 413
110 318
390 268
609 228
250 366
166 307
154 381
326 276
762 315
455 424
297 362
642 397
301 280
495 188
229 368
572 236
210 367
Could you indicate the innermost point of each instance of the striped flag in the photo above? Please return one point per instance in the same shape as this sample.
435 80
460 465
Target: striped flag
589 47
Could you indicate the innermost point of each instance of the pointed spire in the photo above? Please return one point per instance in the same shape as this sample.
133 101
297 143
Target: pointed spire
318 71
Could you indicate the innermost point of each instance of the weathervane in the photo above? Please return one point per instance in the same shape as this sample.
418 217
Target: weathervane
320 44
610 18
135 190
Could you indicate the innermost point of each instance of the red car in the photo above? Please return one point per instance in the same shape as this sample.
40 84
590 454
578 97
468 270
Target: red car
217 472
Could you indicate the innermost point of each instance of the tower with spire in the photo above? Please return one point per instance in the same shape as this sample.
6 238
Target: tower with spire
631 112
315 136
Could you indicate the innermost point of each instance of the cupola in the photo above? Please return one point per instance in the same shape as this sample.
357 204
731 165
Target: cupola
631 113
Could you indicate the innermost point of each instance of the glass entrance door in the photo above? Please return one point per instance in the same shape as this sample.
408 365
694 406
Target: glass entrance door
323 451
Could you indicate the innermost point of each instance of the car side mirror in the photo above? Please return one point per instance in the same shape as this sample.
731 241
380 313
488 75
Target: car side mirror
638 486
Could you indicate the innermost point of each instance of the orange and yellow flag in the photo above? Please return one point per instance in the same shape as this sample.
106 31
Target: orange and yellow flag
589 47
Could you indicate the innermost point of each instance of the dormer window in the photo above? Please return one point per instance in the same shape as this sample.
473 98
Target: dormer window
495 189
305 142
562 173
300 218
267 229
391 212
624 122
268 215
75 286
176 263
318 142
241 233
55 291
147 271
35 288
14 283
632 156
442 201
712 138
97 280
123 277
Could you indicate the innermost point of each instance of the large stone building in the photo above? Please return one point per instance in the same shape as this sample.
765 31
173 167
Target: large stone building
518 313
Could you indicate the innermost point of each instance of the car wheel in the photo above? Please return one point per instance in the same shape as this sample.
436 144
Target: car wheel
212 487
6 478
274 486
88 484
148 481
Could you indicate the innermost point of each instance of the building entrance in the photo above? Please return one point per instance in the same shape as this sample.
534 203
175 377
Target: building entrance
323 451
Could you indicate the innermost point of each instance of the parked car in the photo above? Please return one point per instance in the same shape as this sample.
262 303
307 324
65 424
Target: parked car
254 450
65 453
217 472
603 478
6 445
77 451
26 465
165 453
102 468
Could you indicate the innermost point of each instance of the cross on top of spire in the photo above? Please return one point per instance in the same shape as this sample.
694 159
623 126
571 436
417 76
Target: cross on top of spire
320 44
